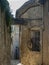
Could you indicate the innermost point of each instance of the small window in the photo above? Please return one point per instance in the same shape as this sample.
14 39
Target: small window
48 6
35 40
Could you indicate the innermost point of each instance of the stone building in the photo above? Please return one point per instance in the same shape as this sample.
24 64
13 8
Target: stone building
5 39
34 36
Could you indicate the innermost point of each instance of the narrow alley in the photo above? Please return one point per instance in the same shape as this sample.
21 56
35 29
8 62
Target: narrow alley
24 39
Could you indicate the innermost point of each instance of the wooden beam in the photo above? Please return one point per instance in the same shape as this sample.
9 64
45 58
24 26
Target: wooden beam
23 21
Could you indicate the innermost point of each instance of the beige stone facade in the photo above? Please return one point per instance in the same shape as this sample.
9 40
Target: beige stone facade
32 57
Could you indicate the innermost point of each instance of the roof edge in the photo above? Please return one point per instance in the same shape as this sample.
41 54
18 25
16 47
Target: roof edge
25 7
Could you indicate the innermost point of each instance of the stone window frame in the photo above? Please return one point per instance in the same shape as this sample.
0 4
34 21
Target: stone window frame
41 37
35 40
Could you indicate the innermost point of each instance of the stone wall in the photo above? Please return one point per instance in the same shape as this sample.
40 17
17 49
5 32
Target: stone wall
46 35
5 41
28 57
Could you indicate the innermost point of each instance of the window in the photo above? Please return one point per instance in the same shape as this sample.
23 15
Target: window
48 6
35 40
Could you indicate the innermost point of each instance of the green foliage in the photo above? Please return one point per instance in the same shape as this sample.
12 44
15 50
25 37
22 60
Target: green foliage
5 7
8 18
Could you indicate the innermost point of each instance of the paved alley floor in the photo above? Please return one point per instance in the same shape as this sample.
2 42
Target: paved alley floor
14 62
